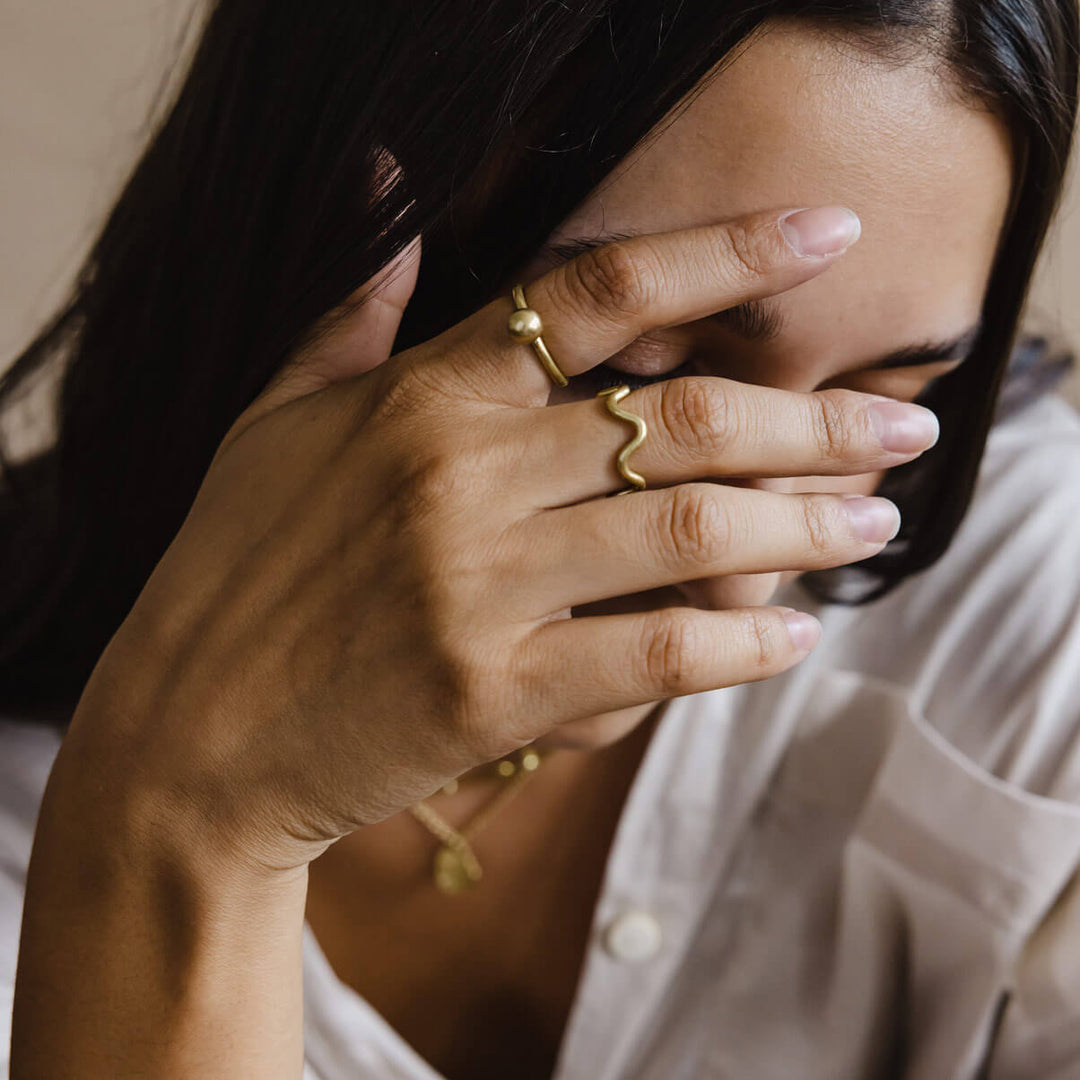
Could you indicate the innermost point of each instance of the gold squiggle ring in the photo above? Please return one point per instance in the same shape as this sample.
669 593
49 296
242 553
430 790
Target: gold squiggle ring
525 328
611 398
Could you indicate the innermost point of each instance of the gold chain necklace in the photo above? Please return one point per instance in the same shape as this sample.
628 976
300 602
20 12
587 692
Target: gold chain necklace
456 867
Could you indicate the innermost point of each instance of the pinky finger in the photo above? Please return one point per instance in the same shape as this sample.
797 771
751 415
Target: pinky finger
601 663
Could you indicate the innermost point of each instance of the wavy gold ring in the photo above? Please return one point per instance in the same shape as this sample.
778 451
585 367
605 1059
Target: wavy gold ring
612 396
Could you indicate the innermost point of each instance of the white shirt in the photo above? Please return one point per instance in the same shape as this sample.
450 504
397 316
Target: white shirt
868 867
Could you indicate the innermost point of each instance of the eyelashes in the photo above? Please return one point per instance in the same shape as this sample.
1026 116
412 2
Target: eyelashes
603 377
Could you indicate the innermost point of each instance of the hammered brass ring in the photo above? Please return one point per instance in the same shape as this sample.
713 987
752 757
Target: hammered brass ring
611 398
525 328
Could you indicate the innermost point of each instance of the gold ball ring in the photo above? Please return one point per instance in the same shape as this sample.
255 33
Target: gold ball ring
525 328
611 398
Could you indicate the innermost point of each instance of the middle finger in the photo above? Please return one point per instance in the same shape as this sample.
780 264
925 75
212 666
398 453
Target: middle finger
703 427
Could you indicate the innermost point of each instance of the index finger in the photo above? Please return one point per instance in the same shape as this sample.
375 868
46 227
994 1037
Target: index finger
596 304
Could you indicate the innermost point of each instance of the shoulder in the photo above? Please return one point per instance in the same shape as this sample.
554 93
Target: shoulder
1015 557
1033 458
1012 565
986 642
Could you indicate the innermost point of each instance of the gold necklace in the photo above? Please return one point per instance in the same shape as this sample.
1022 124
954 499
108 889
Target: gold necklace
456 867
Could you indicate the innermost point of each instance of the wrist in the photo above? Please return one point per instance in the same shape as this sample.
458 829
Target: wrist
143 951
152 811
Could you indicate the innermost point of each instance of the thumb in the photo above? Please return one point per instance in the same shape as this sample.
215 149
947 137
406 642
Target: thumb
353 338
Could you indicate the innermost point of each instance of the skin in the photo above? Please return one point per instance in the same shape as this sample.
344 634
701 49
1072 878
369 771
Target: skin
244 723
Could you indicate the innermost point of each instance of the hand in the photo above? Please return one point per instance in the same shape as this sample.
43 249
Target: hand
371 593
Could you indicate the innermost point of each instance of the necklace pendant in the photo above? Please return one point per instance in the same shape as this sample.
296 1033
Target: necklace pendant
456 871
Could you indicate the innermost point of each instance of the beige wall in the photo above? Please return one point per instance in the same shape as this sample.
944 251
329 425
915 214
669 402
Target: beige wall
76 80
76 83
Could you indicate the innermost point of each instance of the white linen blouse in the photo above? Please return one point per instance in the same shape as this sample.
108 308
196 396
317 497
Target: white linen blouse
865 868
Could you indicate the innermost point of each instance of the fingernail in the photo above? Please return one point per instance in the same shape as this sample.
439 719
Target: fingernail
804 629
826 230
904 428
872 519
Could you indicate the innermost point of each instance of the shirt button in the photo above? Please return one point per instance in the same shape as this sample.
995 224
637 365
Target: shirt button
633 936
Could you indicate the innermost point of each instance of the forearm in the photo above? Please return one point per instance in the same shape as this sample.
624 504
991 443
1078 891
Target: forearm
146 954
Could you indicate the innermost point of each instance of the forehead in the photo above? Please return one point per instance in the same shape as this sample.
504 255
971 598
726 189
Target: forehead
803 118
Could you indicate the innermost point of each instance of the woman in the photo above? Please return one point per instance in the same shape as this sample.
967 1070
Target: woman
299 593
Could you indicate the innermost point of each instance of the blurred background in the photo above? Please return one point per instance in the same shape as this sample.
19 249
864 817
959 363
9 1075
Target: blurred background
77 83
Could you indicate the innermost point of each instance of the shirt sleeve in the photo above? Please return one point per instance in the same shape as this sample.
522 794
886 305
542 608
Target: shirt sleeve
26 755
10 918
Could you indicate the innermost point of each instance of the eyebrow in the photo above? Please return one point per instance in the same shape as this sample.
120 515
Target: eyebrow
760 321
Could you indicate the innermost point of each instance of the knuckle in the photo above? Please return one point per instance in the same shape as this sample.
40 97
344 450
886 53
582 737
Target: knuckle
835 435
818 524
671 651
432 478
695 524
697 416
463 673
401 391
612 278
765 650
745 252
478 690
